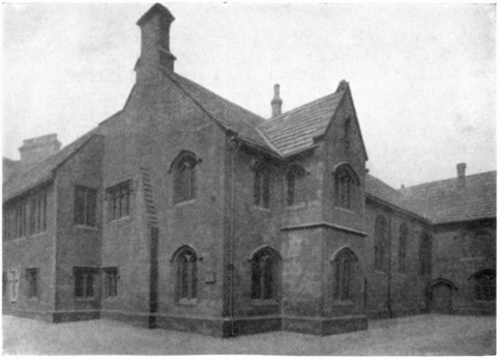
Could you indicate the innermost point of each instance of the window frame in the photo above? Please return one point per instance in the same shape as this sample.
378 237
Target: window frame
265 274
295 185
425 254
87 273
88 209
117 196
404 233
347 135
485 285
381 239
14 280
346 184
186 275
262 186
184 177
32 283
110 282
344 268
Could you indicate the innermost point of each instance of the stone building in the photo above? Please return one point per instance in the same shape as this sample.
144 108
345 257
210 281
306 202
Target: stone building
188 212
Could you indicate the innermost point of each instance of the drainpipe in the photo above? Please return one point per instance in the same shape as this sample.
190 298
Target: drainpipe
389 275
231 243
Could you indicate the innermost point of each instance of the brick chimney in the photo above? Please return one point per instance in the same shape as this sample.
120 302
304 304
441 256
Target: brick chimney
37 149
276 102
461 174
155 42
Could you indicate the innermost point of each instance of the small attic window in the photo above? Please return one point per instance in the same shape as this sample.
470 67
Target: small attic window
347 136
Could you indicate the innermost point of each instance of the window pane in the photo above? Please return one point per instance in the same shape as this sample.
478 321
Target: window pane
266 189
79 206
90 285
268 278
290 188
256 275
79 284
91 207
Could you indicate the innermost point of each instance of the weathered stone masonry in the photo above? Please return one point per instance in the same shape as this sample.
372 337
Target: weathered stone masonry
188 212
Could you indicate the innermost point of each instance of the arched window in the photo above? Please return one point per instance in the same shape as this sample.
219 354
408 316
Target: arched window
295 186
184 177
403 243
485 286
262 184
381 239
346 184
425 254
265 274
343 269
347 136
187 274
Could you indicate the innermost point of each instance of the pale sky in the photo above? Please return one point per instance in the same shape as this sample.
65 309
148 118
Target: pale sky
423 76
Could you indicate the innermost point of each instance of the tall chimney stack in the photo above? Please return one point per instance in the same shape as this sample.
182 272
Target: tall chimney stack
155 42
461 174
37 149
276 102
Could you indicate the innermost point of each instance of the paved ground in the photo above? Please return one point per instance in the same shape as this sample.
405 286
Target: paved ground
418 335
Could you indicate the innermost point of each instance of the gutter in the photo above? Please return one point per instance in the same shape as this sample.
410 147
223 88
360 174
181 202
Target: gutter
232 238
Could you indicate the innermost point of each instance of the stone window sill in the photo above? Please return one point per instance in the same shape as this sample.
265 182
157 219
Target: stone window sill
120 220
343 303
300 205
187 302
32 236
266 302
185 202
86 227
346 210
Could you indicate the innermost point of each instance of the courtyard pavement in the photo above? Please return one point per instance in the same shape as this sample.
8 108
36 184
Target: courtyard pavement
416 335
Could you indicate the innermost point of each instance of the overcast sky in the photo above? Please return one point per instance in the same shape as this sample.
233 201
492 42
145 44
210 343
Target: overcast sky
422 75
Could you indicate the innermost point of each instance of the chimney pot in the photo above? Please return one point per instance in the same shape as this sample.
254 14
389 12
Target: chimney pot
276 102
461 174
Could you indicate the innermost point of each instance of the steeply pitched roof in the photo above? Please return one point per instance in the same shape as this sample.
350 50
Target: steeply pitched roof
27 178
230 116
379 190
295 130
444 201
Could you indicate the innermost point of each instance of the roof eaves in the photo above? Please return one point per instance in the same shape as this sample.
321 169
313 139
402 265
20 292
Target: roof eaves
395 207
47 178
461 220
269 142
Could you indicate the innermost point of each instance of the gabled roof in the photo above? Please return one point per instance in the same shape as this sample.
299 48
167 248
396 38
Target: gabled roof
227 114
377 189
444 201
38 173
295 130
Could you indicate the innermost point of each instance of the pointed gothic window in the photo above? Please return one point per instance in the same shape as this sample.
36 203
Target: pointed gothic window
262 184
485 285
347 136
346 187
381 243
403 243
295 185
265 274
343 269
184 178
187 277
425 254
